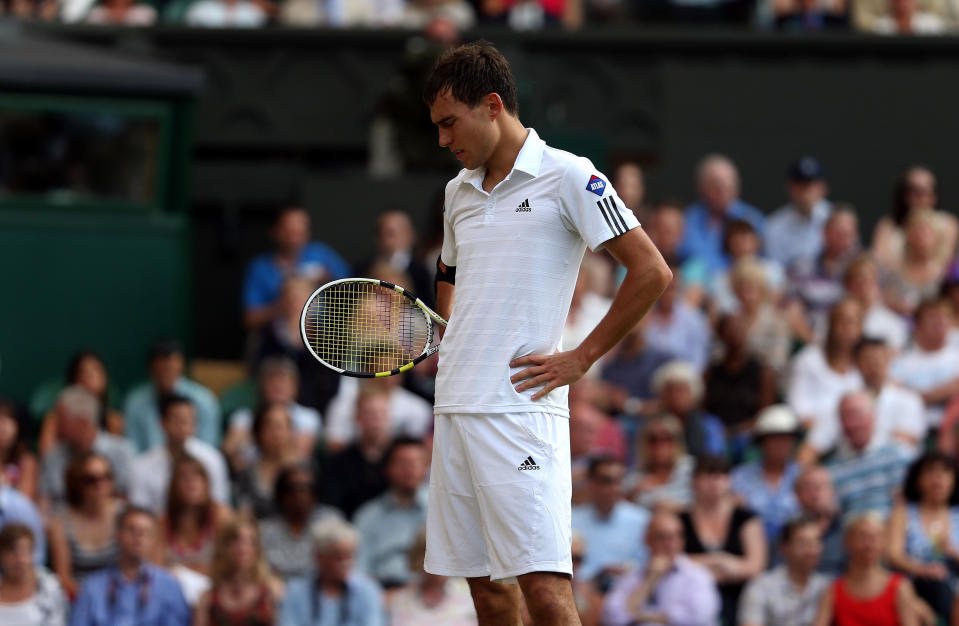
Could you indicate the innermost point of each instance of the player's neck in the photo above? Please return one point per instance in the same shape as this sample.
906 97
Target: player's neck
501 162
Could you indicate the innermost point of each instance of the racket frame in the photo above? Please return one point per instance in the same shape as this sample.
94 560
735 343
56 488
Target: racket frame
430 315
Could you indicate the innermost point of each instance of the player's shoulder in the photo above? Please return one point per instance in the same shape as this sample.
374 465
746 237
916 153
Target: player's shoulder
576 171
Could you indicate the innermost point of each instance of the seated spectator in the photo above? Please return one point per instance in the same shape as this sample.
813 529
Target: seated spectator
135 591
666 227
337 589
900 418
389 523
949 292
122 13
142 407
816 287
608 436
359 466
767 333
16 508
820 375
226 14
920 271
867 474
87 370
423 13
294 255
83 534
151 470
817 500
17 464
664 477
766 485
722 536
679 389
430 598
738 385
285 536
589 600
395 247
742 245
717 183
671 589
677 328
630 185
924 530
612 527
586 426
243 590
931 366
628 372
30 595
273 434
862 285
409 414
905 18
867 593
77 435
788 595
278 383
191 520
589 304
794 230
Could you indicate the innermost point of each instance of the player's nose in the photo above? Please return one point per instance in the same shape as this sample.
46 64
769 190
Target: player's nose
444 139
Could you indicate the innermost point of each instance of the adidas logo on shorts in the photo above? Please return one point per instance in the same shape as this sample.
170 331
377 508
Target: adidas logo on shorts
528 464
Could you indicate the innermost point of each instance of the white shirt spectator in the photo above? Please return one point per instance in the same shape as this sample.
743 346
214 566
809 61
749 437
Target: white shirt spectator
922 23
152 469
921 371
409 414
883 323
685 335
136 15
305 420
219 14
814 389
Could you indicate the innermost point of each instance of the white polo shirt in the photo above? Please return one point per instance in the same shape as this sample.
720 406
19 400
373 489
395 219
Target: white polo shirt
517 251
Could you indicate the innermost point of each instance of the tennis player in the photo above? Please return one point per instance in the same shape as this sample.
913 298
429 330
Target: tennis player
517 221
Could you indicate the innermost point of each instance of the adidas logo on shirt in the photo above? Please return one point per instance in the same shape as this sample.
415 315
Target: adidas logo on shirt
529 463
524 207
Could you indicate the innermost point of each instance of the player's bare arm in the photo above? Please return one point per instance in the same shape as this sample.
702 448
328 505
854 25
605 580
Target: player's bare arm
444 294
647 276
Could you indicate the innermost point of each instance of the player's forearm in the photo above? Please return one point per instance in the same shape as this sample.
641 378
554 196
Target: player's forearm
444 299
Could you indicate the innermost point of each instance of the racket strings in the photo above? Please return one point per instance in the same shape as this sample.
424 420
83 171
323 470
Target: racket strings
365 327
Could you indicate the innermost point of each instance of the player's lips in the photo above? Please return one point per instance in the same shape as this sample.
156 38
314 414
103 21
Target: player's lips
458 154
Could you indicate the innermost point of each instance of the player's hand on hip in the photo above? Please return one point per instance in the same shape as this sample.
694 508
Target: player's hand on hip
548 371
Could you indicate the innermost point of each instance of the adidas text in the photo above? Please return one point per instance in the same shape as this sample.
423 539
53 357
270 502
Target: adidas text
528 464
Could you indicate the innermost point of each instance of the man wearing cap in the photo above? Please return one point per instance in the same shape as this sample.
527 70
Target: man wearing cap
794 231
766 486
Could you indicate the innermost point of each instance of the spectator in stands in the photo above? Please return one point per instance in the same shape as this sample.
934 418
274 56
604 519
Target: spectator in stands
589 600
721 535
867 474
679 390
794 230
589 304
273 434
243 591
920 271
931 366
612 527
666 227
630 185
677 328
738 385
741 244
30 595
916 191
45 10
867 593
359 467
820 375
950 293
628 373
409 414
142 409
717 182
905 18
337 589
422 13
788 595
191 520
285 536
278 383
924 530
281 338
294 255
228 14
77 434
16 508
862 285
430 598
135 591
122 13
151 470
395 241
817 287
817 499
671 589
17 464
83 533
768 336
588 432
767 486
664 477
389 523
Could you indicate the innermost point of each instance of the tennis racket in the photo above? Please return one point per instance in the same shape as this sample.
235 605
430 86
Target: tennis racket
367 328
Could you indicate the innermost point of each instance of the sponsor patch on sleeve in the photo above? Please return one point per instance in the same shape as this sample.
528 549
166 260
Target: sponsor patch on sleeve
596 184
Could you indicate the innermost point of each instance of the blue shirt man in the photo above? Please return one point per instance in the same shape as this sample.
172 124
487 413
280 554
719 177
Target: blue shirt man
794 231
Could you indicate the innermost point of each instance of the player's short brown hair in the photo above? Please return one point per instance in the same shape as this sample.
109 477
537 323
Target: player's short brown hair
471 72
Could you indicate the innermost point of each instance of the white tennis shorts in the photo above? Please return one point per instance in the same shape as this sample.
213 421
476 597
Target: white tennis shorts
500 491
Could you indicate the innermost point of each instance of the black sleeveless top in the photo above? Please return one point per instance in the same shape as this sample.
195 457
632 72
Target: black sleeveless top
733 396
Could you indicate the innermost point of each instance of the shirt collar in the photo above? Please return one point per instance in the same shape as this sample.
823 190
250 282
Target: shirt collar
529 160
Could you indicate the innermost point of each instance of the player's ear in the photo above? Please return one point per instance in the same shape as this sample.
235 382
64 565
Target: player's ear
494 105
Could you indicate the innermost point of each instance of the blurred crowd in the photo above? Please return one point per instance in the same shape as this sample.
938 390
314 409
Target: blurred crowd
774 444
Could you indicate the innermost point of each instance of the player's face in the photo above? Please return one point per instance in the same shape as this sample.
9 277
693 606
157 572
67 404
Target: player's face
468 132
